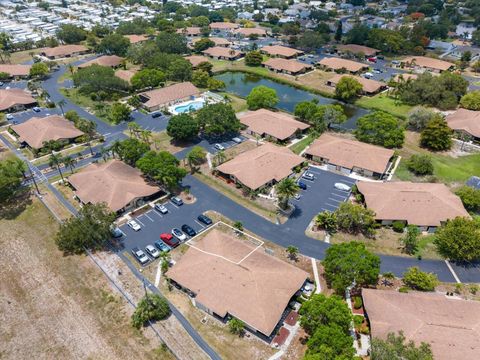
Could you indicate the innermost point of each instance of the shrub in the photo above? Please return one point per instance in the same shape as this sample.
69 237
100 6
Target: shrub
416 279
151 308
420 164
471 101
398 226
403 289
357 302
473 289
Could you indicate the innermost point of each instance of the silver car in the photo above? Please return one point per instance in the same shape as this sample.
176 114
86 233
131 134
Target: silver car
161 208
134 225
342 186
152 251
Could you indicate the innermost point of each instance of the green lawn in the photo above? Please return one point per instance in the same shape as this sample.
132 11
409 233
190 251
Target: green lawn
237 102
384 103
302 144
99 109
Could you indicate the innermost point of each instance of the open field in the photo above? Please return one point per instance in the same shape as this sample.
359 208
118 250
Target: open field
20 57
99 109
58 307
384 103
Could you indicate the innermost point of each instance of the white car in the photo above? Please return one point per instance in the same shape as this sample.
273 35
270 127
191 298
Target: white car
134 225
140 256
308 175
237 140
179 234
152 251
342 186
219 147
9 117
161 208
297 196
368 75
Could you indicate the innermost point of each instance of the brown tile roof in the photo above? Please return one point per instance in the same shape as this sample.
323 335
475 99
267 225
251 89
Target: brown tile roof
125 74
12 97
351 153
250 31
276 50
217 40
261 165
427 62
354 48
466 120
422 204
219 51
223 26
274 123
280 64
170 93
369 86
451 326
38 130
190 31
338 64
106 60
196 60
136 38
114 183
15 70
233 276
64 50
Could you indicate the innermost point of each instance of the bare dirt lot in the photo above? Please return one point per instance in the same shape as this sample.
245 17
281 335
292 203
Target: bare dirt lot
56 307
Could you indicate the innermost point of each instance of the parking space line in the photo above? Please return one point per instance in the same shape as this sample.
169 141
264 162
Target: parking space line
336 200
334 206
199 224
342 196
138 219
173 204
327 210
156 212
149 218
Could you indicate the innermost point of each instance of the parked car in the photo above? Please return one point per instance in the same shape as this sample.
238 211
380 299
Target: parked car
377 71
9 117
188 230
205 219
116 232
156 114
368 75
1 83
162 246
302 185
177 201
169 240
152 251
219 147
161 208
297 196
237 140
342 186
134 225
380 57
179 234
395 62
140 256
308 175
36 109
372 59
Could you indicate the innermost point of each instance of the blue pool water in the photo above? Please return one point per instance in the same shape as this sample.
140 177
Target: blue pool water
196 105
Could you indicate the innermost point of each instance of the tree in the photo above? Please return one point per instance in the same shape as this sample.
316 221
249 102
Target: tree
152 307
196 156
471 100
69 162
459 240
358 34
380 128
215 84
71 34
436 135
179 70
119 112
285 189
89 230
330 342
262 97
11 176
39 70
420 164
470 197
355 219
339 32
89 128
416 279
172 43
236 326
205 66
331 114
218 119
200 78
395 348
148 78
162 167
311 40
56 160
96 79
350 261
348 88
114 44
327 220
203 44
305 110
292 252
410 239
183 127
130 150
321 310
253 58
418 118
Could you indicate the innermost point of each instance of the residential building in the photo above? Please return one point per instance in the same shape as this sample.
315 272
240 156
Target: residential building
369 86
273 125
281 51
290 67
356 49
450 325
227 276
36 131
422 63
16 71
190 31
112 61
161 98
223 53
196 60
426 205
217 40
136 39
115 183
64 51
261 167
342 65
225 26
350 156
246 32
15 100
125 75
466 122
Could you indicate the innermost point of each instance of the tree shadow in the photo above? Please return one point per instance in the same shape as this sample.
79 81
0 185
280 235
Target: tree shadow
12 208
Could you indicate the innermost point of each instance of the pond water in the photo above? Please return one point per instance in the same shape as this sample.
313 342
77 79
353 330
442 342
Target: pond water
241 84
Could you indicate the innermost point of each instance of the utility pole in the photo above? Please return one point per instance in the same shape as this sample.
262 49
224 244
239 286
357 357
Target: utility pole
33 178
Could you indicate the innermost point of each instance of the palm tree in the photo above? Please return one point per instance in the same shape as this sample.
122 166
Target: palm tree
71 69
146 136
56 160
104 152
285 190
134 128
88 127
69 162
61 104
115 148
292 252
220 157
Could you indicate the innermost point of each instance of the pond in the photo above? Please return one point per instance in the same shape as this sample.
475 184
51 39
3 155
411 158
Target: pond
241 84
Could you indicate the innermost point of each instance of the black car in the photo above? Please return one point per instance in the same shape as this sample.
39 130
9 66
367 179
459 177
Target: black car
188 230
156 114
205 219
177 201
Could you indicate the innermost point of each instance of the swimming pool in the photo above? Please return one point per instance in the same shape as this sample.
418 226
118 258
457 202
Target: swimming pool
191 106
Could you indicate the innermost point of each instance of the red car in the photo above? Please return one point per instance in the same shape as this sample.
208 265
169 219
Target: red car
169 240
372 59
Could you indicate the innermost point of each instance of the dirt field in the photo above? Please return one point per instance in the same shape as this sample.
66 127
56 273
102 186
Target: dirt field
56 307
